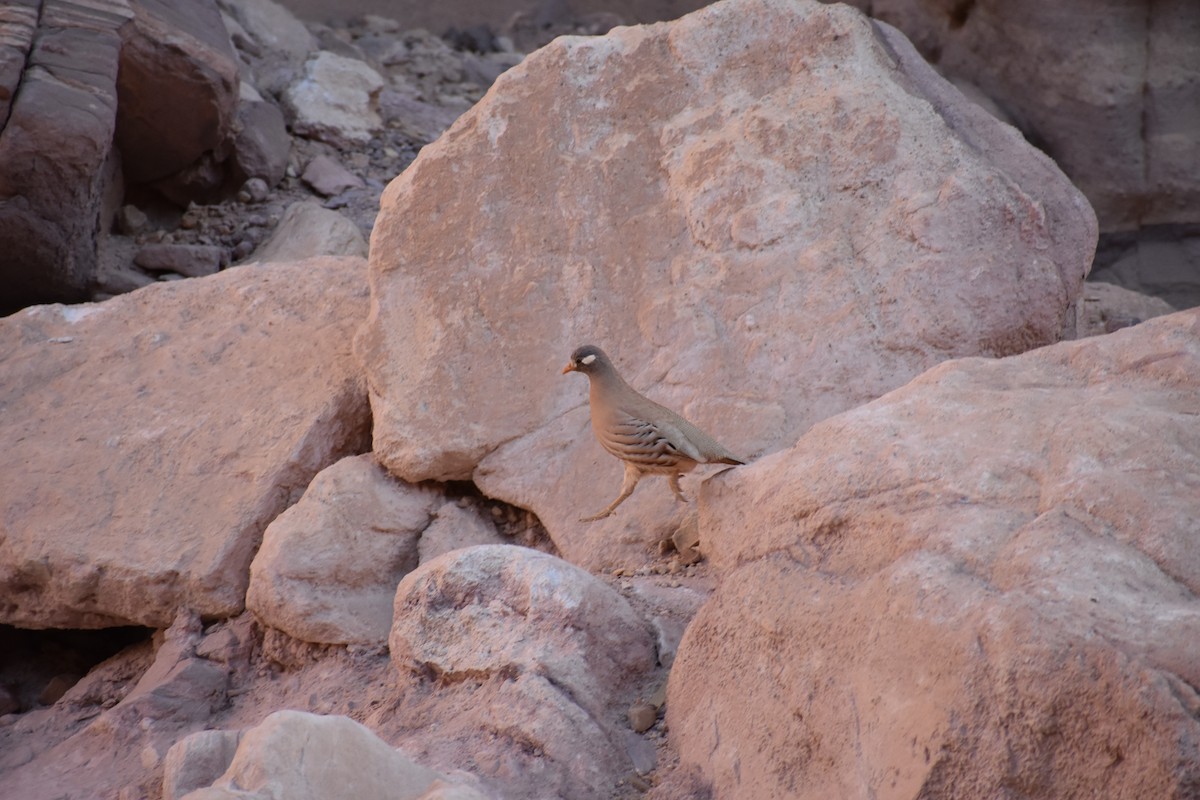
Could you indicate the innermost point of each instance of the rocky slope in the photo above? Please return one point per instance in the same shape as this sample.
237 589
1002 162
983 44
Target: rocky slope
307 526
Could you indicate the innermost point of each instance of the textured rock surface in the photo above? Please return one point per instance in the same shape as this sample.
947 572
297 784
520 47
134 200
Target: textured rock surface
306 230
328 566
1119 115
55 146
336 100
146 442
304 756
198 761
758 242
537 614
985 578
1106 307
508 644
177 91
454 528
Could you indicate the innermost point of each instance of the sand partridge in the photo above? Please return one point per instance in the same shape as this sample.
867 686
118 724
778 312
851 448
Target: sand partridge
650 439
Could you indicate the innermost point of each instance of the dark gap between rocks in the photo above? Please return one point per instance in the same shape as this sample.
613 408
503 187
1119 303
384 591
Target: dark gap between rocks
513 522
37 667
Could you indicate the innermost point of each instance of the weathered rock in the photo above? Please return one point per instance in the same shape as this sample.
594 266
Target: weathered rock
56 165
1162 261
336 100
263 144
1106 307
198 761
308 229
327 177
177 91
421 120
273 26
501 609
508 644
454 528
272 41
328 566
178 686
147 441
1119 116
305 756
759 243
189 260
985 578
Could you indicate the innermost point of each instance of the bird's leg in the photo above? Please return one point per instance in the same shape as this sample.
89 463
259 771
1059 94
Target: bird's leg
632 476
673 480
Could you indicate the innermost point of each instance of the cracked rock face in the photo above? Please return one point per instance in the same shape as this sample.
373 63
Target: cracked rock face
497 646
766 212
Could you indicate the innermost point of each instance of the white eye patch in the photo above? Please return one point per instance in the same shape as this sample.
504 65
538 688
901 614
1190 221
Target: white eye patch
588 359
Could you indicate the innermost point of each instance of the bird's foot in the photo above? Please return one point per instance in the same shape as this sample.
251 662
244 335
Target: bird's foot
595 517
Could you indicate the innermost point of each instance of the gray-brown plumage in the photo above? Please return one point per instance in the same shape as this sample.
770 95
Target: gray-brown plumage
648 438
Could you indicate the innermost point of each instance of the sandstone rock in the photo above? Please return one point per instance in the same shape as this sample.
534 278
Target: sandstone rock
1106 307
147 441
178 686
274 27
198 761
522 734
500 644
327 177
56 146
177 91
1119 116
985 578
305 756
308 229
421 120
328 566
189 260
336 100
263 144
454 528
759 243
504 609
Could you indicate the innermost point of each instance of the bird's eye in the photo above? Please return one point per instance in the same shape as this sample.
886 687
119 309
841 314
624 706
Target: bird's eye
589 359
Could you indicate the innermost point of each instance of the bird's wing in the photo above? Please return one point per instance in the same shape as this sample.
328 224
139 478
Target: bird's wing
646 443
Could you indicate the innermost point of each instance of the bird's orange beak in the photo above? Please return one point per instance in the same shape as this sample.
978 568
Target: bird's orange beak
570 367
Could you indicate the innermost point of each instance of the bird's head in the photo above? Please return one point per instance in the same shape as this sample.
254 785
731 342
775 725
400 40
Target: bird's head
587 359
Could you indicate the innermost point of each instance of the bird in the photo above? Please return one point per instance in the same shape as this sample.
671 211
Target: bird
650 439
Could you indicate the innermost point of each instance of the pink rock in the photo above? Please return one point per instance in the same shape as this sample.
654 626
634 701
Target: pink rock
499 644
759 242
301 755
147 441
985 578
328 566
502 609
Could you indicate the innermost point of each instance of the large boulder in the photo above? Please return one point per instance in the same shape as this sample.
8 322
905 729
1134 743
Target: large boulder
1119 115
147 441
499 644
767 212
178 95
986 578
56 165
